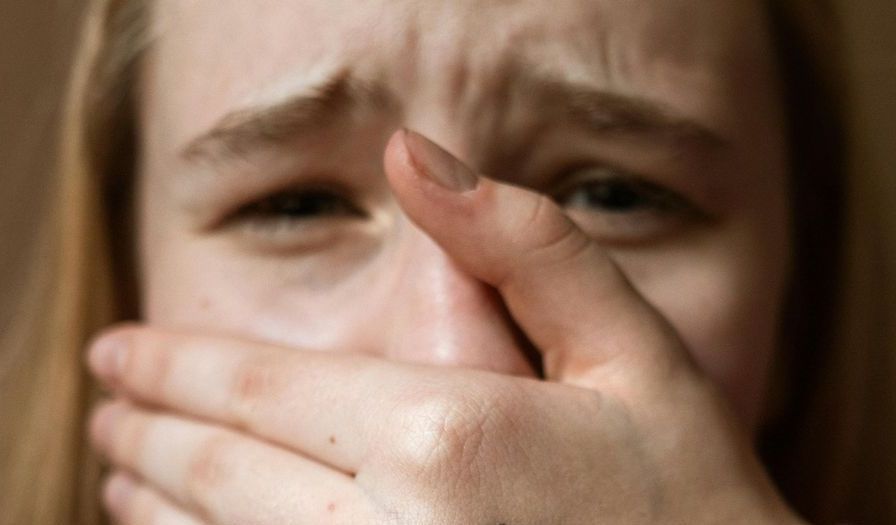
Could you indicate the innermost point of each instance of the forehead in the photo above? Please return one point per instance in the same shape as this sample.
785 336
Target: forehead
213 56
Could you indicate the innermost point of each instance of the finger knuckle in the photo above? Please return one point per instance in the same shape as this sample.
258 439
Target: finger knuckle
437 430
254 381
547 226
448 433
552 236
208 470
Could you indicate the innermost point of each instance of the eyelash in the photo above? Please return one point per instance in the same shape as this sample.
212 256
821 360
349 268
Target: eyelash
301 205
619 194
613 205
286 211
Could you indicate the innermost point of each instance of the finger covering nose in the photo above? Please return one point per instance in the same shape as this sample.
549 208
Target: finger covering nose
441 315
565 291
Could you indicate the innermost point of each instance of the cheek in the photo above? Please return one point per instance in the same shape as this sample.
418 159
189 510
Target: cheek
724 299
202 284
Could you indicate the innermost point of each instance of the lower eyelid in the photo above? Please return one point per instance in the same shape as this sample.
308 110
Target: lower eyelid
635 228
304 238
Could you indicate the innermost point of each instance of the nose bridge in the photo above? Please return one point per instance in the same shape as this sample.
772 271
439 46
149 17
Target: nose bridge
441 315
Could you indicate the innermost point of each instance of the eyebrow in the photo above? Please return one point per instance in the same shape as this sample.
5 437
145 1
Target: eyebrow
614 115
244 131
603 113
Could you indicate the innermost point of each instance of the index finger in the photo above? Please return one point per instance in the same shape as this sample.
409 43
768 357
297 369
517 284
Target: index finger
338 409
565 291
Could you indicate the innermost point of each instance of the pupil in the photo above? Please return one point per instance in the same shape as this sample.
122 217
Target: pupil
304 205
614 196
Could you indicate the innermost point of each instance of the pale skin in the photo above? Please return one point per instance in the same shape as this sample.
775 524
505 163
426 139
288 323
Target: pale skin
568 318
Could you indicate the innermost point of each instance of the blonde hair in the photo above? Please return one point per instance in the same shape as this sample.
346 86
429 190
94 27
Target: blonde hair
829 447
48 474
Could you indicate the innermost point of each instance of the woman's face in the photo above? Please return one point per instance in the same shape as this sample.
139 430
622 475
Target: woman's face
264 210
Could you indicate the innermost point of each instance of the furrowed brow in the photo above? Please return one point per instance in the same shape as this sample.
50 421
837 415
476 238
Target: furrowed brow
617 116
245 131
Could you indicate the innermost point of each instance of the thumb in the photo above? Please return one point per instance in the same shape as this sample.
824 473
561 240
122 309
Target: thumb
563 289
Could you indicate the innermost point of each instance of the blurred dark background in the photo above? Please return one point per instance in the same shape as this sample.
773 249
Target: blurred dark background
36 43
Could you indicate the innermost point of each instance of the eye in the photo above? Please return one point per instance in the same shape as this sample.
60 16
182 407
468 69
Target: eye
296 220
300 205
617 206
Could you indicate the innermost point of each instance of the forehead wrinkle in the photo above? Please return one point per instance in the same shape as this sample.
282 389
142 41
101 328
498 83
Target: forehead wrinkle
468 77
476 91
501 31
536 103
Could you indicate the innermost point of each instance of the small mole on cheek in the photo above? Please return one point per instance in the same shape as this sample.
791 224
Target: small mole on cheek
205 304
332 440
331 507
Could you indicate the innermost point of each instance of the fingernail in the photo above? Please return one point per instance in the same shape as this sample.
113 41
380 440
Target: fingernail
438 165
108 354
